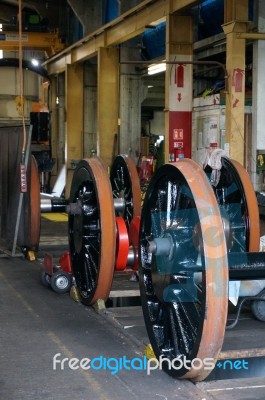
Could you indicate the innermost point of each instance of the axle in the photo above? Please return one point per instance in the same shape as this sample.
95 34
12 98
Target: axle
242 266
53 205
78 208
246 266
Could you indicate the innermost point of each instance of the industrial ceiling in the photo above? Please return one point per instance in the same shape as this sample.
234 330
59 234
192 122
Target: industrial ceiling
48 10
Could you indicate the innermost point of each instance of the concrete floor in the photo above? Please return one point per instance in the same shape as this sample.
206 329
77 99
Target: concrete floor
37 323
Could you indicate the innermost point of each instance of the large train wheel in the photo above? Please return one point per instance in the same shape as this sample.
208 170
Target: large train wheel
122 245
92 230
238 204
125 186
183 269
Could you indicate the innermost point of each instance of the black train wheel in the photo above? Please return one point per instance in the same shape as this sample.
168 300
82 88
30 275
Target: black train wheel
125 186
238 205
183 269
92 234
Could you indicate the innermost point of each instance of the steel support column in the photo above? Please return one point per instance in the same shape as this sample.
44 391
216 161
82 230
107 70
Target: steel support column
90 107
74 119
236 15
235 98
178 96
235 10
60 104
108 102
131 98
54 124
57 96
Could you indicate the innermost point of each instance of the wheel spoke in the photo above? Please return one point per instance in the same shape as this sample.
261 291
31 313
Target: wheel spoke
179 332
125 185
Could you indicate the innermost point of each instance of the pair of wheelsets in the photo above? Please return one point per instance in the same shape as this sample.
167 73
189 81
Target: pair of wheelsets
194 238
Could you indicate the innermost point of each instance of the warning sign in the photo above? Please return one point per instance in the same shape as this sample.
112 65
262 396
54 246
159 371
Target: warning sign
177 134
178 145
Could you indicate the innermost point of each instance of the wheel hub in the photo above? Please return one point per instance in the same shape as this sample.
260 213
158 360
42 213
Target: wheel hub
62 282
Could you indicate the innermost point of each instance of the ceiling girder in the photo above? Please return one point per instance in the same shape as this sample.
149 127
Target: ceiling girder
119 30
48 42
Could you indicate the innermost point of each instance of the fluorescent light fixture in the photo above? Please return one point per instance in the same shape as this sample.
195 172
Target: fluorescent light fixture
158 21
1 51
156 68
220 43
35 62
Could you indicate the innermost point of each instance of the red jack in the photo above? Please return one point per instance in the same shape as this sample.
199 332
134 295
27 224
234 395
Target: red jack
59 277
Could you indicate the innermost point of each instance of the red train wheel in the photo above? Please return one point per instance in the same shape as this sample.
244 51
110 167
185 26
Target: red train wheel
122 245
92 230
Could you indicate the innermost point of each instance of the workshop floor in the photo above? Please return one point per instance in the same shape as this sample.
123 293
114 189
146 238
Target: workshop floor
37 324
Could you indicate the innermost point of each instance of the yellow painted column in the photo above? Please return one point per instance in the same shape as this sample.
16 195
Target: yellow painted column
74 119
235 10
108 102
178 93
235 98
54 124
236 14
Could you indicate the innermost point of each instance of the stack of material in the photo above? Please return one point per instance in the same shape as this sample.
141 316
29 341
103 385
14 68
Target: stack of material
10 158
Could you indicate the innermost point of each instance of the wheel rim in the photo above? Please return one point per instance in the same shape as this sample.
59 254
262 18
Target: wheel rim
92 230
125 184
238 204
180 322
134 239
62 282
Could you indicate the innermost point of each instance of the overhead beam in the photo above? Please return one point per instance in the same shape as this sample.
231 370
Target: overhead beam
251 35
119 33
177 5
121 29
47 41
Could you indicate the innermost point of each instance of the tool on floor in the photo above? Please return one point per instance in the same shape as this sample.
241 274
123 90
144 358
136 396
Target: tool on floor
58 277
